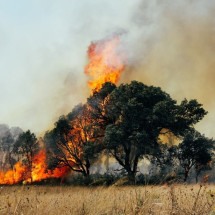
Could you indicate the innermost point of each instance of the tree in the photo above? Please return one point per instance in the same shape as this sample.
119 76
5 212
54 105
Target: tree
7 145
99 120
8 136
138 115
196 151
165 160
77 138
96 104
27 146
72 141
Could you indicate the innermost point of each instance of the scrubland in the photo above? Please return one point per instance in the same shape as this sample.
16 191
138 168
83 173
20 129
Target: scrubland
163 200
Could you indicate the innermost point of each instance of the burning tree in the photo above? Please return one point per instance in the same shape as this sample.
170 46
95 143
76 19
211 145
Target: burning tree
27 146
125 122
76 141
97 110
77 138
72 141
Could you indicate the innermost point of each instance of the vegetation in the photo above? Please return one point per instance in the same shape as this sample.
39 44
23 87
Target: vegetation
139 115
27 146
194 151
129 124
126 123
7 141
180 200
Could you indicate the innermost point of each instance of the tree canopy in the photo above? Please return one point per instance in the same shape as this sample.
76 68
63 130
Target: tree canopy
125 121
139 113
196 151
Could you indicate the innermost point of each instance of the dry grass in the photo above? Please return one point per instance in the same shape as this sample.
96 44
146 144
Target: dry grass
163 200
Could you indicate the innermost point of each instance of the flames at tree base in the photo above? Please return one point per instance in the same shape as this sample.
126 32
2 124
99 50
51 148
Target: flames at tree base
39 172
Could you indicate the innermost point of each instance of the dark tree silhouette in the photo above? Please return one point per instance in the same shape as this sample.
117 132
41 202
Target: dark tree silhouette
97 109
138 115
196 151
27 146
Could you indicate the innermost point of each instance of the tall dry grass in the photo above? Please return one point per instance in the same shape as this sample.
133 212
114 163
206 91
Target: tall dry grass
163 200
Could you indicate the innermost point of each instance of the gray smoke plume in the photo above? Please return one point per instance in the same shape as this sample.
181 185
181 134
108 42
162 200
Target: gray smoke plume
173 47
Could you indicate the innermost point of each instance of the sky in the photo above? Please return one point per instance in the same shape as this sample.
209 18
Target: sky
43 45
43 48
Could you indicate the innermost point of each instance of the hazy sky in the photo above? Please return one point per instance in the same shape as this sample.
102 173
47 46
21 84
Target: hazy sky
43 46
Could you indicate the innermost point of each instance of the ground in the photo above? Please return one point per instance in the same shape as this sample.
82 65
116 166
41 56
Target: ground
163 200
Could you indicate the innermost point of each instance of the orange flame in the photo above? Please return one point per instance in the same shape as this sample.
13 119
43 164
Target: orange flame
39 171
13 176
106 63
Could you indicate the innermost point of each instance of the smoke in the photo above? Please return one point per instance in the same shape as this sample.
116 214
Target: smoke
43 54
174 49
5 130
8 136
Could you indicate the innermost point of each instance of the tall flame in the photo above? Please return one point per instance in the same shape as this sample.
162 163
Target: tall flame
106 62
40 170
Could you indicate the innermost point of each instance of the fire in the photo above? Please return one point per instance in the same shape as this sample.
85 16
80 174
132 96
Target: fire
39 171
106 63
13 176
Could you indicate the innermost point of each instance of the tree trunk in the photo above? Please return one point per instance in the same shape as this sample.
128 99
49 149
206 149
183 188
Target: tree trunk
186 173
10 160
197 175
84 173
131 177
197 178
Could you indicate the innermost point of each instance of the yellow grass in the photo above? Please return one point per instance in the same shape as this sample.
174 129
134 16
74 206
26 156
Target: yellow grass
164 200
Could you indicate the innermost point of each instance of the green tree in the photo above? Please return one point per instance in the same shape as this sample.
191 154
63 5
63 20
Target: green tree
195 151
27 146
165 161
138 114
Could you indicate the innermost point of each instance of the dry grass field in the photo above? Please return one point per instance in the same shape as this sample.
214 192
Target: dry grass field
163 200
